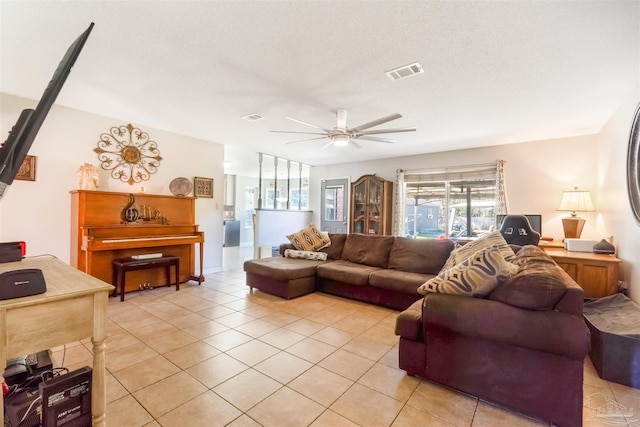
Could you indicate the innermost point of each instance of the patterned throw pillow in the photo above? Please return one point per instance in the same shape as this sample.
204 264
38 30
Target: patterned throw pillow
316 256
485 241
476 276
309 238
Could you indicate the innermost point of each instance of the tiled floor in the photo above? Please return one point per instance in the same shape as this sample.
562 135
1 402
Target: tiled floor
216 355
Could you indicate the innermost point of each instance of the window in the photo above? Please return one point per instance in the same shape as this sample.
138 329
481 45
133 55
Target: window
450 203
284 184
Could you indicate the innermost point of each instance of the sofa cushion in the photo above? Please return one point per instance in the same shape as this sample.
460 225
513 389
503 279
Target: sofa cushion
334 251
281 268
309 238
419 255
486 240
294 253
367 249
346 272
476 276
399 281
538 285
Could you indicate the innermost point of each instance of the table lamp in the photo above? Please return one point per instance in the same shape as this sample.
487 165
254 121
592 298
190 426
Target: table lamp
575 201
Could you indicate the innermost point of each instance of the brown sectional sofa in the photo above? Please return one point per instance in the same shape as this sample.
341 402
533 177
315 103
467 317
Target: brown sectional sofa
522 347
382 270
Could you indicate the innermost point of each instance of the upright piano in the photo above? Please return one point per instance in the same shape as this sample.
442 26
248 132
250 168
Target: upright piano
165 224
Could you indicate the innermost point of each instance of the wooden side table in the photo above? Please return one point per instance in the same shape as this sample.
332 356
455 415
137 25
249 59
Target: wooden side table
597 274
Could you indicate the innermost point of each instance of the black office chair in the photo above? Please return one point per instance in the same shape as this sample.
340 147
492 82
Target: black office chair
517 230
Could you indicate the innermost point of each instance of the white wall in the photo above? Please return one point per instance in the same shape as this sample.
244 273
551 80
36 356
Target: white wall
614 208
40 213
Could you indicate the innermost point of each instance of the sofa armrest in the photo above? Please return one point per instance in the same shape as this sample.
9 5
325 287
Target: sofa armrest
549 331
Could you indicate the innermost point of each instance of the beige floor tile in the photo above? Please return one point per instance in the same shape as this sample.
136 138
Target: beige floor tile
321 385
191 354
241 304
383 332
190 319
280 318
256 328
282 338
331 419
355 323
446 404
143 374
311 350
216 370
235 319
206 410
329 315
252 352
392 382
298 410
149 331
72 356
244 421
333 336
169 393
488 415
128 356
347 364
412 417
152 424
205 329
367 407
227 340
364 347
215 312
127 412
171 341
283 367
191 302
115 390
305 327
391 358
119 341
247 389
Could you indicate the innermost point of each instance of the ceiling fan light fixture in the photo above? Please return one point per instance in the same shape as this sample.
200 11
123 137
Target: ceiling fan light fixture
340 140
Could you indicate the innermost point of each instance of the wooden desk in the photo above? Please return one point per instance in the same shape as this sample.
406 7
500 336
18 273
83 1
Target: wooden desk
73 308
597 274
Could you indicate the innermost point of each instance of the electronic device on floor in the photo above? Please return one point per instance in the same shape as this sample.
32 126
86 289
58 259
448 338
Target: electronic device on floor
20 368
62 401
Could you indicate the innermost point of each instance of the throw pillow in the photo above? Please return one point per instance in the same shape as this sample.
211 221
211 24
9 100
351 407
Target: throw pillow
476 276
316 256
309 238
486 240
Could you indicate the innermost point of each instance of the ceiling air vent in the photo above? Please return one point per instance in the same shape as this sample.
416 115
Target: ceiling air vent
405 71
252 117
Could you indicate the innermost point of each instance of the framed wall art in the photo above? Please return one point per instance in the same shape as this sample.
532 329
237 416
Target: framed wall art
203 187
27 171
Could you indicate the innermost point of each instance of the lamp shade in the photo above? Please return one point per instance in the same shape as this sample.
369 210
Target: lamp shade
576 201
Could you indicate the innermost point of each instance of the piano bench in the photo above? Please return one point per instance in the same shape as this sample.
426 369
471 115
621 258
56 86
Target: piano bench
121 266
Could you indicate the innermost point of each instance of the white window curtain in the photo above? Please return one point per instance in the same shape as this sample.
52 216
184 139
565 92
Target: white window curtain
487 170
502 205
399 197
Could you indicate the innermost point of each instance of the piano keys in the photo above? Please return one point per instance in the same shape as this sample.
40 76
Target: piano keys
99 235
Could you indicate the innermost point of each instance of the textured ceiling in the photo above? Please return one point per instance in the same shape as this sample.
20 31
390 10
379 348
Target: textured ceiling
495 72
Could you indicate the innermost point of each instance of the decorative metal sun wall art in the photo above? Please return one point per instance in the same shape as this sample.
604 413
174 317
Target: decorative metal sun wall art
128 153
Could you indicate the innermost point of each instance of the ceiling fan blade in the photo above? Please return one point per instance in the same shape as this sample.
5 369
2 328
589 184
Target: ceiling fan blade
303 140
308 124
377 122
290 131
375 132
327 145
341 115
355 144
373 138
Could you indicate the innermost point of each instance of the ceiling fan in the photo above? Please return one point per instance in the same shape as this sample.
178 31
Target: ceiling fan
341 135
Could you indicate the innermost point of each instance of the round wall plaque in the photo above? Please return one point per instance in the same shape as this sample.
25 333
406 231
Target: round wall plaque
180 186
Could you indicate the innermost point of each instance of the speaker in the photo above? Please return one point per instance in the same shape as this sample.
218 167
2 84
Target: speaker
11 251
21 283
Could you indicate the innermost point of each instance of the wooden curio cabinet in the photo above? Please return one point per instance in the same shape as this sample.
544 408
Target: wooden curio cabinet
371 205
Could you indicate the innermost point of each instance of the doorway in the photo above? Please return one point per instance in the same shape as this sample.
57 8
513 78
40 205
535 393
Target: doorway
334 205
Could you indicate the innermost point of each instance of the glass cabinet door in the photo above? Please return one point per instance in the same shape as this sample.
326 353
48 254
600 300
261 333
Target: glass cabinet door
360 207
375 195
